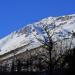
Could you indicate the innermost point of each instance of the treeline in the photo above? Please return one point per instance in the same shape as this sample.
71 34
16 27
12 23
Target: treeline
65 65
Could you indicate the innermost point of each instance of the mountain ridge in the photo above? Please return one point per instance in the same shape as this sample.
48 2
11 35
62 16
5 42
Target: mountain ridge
25 35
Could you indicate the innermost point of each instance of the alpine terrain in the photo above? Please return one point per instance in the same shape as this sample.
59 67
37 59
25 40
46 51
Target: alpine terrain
32 38
62 26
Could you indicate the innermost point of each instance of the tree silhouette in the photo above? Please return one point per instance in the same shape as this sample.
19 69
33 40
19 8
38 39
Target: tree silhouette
70 61
12 67
19 65
48 43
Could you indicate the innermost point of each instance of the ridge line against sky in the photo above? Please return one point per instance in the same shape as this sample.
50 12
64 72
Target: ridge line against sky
14 14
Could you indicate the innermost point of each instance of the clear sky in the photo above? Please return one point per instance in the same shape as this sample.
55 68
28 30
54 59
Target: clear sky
14 14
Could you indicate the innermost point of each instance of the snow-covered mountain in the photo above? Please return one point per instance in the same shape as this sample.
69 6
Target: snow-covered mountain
62 26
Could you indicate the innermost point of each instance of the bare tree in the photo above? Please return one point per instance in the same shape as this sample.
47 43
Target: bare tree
48 42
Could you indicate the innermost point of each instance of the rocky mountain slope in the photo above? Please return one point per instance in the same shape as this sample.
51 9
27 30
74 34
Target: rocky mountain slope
62 26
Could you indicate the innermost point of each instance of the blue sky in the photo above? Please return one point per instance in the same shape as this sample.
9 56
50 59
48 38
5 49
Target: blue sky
14 14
